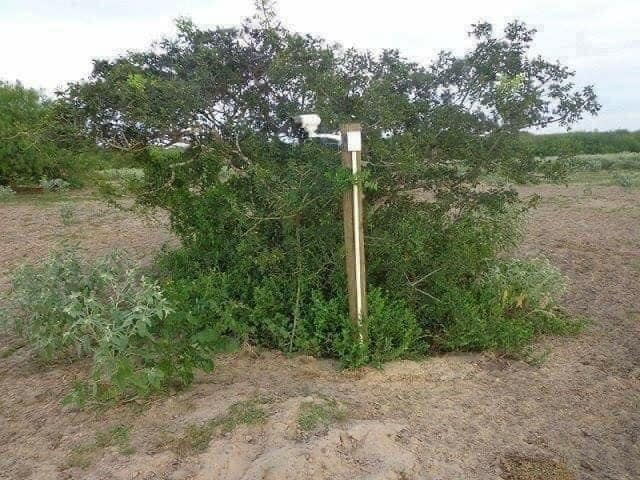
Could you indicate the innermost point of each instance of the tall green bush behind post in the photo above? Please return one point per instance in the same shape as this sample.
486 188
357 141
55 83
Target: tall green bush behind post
258 213
263 211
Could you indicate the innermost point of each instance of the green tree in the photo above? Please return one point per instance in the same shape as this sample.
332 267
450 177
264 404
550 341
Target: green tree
258 213
44 137
23 155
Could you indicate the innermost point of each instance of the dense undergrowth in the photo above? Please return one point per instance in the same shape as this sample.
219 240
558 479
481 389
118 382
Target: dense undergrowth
591 163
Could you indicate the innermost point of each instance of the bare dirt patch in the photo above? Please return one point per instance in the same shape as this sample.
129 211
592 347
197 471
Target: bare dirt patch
467 416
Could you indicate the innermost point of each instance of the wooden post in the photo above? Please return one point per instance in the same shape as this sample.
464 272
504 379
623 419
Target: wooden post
352 205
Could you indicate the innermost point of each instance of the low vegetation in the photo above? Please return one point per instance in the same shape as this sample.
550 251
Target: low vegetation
83 455
610 161
108 311
507 307
67 213
6 192
613 163
319 414
196 437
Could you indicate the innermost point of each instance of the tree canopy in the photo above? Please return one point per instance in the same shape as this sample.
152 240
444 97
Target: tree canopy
225 83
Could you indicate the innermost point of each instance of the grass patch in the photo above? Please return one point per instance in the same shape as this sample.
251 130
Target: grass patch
49 198
561 201
82 456
316 415
534 357
117 182
117 436
249 412
120 174
196 437
10 350
67 213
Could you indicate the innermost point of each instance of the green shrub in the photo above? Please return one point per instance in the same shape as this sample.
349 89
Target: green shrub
259 214
67 213
205 312
614 161
196 437
588 143
69 307
27 151
39 139
392 333
267 248
506 308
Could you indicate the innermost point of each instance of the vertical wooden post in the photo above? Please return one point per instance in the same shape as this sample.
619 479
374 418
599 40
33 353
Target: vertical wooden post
352 205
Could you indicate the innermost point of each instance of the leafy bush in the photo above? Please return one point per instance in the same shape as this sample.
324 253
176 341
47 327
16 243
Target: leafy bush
392 331
614 161
27 153
623 181
67 213
274 273
556 168
205 312
506 308
108 311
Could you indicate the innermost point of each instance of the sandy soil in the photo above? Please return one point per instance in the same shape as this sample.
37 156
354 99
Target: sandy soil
575 415
31 227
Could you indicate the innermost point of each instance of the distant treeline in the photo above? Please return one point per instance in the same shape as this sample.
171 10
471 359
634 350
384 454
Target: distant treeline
583 142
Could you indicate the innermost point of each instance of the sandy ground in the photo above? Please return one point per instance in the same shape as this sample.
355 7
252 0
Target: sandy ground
574 415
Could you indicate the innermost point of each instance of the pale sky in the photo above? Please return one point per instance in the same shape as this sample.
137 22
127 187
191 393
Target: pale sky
46 43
